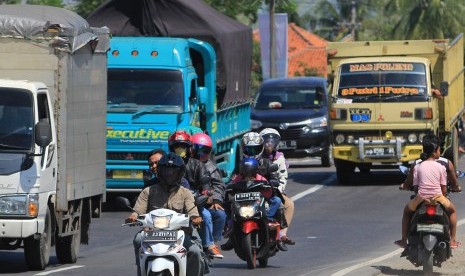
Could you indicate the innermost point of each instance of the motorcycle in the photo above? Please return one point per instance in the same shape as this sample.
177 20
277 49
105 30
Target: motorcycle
253 236
162 237
428 238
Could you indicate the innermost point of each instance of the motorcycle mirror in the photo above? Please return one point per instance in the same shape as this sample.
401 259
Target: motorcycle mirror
460 174
404 169
273 167
123 202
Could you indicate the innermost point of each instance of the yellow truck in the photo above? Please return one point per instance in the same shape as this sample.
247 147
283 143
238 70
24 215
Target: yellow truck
382 102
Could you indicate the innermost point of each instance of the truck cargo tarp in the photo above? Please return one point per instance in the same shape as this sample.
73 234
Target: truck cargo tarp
45 22
188 19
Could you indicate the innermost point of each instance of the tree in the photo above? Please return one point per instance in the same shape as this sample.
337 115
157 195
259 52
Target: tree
55 3
426 19
86 7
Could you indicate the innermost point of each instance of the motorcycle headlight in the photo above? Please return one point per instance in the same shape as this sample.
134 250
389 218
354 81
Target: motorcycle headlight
161 222
27 205
248 211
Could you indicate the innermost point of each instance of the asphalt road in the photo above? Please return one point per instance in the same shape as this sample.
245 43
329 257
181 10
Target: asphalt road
336 227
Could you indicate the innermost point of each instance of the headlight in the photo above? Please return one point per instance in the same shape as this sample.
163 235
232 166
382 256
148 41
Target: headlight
161 222
340 138
247 211
254 124
317 122
27 205
412 138
350 139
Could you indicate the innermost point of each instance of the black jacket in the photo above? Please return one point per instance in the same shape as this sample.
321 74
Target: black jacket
217 186
195 170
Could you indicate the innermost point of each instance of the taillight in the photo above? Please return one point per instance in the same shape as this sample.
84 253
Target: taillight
423 113
431 210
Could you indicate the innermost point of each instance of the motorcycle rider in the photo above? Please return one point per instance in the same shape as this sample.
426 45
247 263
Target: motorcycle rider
168 193
430 183
215 217
252 146
271 140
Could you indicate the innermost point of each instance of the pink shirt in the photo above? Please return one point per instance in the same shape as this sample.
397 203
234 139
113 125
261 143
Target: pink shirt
429 176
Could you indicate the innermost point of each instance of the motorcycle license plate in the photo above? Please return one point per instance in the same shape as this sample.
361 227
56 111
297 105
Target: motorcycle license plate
161 235
430 228
247 196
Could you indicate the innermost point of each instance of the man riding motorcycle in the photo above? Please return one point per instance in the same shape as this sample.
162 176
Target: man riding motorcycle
168 193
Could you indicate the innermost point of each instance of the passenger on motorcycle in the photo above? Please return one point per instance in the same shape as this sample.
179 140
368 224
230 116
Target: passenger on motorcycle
271 140
430 184
213 214
252 145
168 193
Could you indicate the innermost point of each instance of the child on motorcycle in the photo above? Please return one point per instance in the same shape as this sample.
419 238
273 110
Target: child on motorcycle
430 184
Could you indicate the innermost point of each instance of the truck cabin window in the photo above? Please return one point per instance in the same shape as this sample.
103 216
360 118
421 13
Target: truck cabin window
290 98
383 81
154 89
16 119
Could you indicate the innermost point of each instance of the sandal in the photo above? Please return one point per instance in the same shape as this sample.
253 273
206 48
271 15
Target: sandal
401 243
455 244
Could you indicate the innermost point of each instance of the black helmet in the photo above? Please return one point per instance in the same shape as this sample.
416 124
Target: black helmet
248 167
171 169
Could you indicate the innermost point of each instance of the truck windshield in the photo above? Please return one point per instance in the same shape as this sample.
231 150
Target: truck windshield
383 81
16 119
129 90
290 98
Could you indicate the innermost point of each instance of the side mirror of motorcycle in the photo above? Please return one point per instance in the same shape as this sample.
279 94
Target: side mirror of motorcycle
201 200
404 169
123 202
273 167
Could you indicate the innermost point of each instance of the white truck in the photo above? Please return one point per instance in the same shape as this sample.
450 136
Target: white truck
52 130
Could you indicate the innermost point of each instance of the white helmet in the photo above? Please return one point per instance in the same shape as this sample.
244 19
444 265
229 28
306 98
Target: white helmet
271 139
252 144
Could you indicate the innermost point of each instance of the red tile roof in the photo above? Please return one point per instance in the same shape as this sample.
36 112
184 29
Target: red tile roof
306 52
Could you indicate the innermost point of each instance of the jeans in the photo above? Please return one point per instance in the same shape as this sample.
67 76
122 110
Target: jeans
212 226
195 262
274 204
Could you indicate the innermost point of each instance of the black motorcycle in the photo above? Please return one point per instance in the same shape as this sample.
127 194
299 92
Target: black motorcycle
428 236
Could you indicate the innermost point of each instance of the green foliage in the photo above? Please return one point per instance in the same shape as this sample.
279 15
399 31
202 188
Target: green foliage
86 7
55 3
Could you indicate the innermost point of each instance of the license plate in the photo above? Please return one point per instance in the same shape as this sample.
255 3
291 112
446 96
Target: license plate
379 151
247 196
127 174
162 235
288 144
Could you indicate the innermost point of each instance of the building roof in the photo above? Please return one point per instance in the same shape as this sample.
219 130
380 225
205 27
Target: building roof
306 52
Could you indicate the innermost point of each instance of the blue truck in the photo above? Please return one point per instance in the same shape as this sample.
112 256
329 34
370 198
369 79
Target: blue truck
158 82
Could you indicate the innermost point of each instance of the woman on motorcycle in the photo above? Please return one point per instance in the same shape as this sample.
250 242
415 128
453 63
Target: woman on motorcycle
430 184
271 140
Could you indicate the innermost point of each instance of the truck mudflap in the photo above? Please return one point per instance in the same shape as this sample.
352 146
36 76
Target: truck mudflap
18 228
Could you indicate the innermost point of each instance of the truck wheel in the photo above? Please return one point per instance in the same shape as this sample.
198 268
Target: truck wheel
67 248
326 158
37 252
344 171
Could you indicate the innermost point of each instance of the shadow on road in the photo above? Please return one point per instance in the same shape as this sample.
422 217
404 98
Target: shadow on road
385 270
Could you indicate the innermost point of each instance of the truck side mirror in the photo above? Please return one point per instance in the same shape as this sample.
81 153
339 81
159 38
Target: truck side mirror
202 93
43 133
444 88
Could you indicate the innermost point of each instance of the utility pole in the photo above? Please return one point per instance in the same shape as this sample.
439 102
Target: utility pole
353 20
272 42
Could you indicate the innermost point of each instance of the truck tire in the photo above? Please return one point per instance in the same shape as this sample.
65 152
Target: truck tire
37 252
344 171
67 247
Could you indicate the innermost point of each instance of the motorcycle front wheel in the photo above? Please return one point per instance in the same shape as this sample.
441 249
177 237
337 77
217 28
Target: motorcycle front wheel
250 254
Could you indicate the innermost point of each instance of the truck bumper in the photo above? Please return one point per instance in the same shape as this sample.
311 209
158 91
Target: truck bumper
352 153
17 228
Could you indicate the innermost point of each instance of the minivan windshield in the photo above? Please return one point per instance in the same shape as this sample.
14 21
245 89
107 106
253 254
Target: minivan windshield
290 97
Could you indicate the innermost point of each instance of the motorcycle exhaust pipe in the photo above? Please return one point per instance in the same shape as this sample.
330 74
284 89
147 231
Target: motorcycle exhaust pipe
442 251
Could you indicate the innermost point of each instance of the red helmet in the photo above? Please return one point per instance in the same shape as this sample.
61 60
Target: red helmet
201 146
179 137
